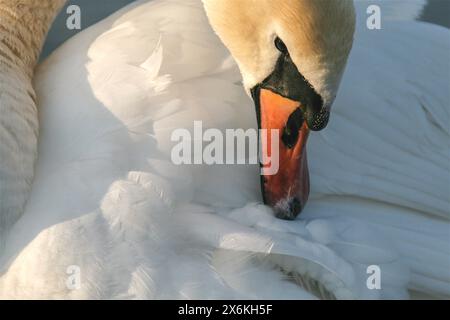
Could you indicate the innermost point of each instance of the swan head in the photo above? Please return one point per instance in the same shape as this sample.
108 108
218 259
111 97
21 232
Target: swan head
292 54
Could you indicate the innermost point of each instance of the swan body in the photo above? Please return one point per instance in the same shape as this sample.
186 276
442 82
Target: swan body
107 199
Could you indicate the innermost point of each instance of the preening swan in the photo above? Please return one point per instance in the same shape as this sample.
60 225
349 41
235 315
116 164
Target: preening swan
291 55
107 200
311 42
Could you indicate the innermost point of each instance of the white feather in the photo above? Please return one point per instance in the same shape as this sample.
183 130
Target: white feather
108 199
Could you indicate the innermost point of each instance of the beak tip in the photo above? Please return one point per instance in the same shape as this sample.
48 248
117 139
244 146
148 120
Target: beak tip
288 209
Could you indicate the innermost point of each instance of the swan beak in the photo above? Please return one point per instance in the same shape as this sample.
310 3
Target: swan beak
287 189
287 107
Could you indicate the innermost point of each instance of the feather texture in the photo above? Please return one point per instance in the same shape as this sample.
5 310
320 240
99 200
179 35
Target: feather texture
108 199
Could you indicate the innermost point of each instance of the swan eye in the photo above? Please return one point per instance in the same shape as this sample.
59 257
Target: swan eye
279 44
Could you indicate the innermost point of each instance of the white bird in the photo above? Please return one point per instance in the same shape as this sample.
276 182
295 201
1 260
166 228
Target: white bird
110 215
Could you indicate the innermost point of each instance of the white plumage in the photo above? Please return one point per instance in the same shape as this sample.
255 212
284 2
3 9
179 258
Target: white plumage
108 199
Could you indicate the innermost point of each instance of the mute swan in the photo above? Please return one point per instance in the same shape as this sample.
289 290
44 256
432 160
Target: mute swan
106 198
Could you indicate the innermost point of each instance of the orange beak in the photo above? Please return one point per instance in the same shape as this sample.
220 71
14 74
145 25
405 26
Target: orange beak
288 107
287 190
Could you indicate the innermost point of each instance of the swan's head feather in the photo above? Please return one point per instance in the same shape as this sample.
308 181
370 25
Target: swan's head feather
318 35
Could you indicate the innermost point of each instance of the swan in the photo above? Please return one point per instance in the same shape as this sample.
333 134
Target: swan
107 201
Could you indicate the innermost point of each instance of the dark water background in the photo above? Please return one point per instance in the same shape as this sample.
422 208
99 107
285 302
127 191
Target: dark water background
436 11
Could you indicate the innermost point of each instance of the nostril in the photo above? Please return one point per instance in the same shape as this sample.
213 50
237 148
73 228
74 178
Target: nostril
291 131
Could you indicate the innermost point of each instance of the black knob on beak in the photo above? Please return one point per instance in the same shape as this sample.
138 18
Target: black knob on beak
317 116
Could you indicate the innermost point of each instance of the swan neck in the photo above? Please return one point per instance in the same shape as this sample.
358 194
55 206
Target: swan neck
24 25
